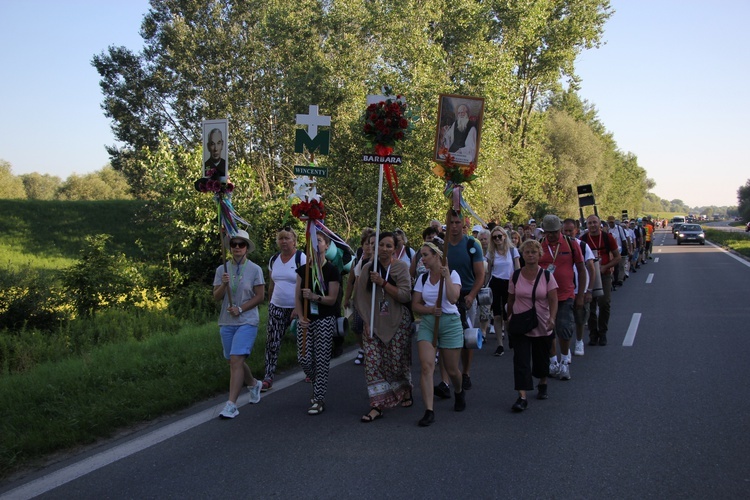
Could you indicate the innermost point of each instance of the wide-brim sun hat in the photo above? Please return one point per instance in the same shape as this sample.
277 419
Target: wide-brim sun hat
241 234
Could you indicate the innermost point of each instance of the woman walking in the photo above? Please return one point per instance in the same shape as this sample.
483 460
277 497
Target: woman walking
239 318
367 242
317 321
387 341
450 336
502 259
531 349
282 273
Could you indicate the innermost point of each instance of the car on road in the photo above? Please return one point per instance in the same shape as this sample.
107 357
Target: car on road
676 229
691 233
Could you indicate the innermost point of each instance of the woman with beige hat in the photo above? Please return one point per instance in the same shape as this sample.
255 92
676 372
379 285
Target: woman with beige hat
239 285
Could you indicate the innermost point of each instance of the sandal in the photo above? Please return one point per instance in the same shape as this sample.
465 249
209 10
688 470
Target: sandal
360 359
370 417
267 384
316 408
407 402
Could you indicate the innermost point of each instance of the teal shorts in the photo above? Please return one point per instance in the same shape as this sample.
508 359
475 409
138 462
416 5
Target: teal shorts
451 332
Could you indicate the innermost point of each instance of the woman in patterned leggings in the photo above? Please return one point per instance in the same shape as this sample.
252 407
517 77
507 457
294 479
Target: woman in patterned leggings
282 273
318 320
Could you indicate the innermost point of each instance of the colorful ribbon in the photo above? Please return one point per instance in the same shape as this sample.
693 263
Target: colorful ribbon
455 191
228 216
390 172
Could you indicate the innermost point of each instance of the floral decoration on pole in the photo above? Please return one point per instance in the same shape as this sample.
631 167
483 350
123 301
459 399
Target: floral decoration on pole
386 122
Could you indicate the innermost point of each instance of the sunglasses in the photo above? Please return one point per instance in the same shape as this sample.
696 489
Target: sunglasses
288 229
236 244
497 236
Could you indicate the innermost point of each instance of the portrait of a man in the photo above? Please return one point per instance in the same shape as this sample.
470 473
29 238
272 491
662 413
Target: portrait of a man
214 151
459 125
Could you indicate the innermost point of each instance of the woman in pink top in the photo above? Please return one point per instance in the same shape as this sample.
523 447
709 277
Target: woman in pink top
531 351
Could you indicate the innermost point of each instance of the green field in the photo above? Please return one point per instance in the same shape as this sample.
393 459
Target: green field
50 234
90 377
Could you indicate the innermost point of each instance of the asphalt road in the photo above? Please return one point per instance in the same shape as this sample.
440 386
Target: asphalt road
665 417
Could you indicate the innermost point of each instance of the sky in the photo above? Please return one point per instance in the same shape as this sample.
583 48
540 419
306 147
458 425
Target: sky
669 84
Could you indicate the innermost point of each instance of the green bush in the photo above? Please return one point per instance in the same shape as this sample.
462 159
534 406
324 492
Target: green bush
194 303
30 299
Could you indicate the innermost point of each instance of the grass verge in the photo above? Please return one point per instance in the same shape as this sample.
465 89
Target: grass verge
63 404
739 242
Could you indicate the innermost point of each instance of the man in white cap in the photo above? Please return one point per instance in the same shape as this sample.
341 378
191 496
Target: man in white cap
560 255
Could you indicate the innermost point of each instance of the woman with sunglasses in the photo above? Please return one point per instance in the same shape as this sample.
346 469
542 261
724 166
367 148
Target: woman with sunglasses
387 342
502 260
314 348
239 318
282 274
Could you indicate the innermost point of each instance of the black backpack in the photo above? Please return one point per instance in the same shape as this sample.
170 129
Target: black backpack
297 259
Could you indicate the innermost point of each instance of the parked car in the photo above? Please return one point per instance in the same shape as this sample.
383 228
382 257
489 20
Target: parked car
747 227
691 233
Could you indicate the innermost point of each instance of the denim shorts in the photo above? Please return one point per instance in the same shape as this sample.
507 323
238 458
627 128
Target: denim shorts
565 323
238 340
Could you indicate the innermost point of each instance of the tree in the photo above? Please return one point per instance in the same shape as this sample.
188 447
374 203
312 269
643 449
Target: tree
743 201
40 187
11 187
105 184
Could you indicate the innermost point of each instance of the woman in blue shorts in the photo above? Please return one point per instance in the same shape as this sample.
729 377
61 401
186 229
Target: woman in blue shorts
450 335
239 318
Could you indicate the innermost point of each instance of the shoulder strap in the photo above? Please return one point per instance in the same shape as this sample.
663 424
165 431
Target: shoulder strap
424 278
516 274
298 257
536 282
273 259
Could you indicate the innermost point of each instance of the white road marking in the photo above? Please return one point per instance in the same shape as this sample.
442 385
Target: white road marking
78 469
632 329
650 278
656 260
738 259
658 249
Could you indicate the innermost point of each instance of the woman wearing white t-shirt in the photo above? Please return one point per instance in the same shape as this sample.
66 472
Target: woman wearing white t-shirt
502 259
450 335
282 273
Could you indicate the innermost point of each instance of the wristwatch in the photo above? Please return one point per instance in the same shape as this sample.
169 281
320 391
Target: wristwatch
239 309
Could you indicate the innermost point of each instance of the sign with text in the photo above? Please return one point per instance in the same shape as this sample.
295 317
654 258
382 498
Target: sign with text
310 171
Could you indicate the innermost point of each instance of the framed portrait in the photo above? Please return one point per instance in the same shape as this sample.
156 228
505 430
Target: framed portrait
459 126
215 146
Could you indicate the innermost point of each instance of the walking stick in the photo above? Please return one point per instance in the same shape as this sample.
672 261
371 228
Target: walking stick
308 252
224 256
441 284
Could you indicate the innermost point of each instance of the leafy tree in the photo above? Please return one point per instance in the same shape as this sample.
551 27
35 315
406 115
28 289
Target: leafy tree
260 63
40 187
743 201
105 184
11 187
102 278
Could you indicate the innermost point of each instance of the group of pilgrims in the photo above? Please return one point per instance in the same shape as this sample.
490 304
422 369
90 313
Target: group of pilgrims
564 270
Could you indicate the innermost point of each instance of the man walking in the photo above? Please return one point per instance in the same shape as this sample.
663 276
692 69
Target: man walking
562 257
466 258
605 249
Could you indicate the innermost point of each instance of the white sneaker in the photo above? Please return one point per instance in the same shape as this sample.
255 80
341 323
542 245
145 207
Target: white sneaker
230 411
578 351
564 371
554 369
255 391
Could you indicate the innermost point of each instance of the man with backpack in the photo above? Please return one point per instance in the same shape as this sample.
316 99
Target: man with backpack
466 258
605 249
562 257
